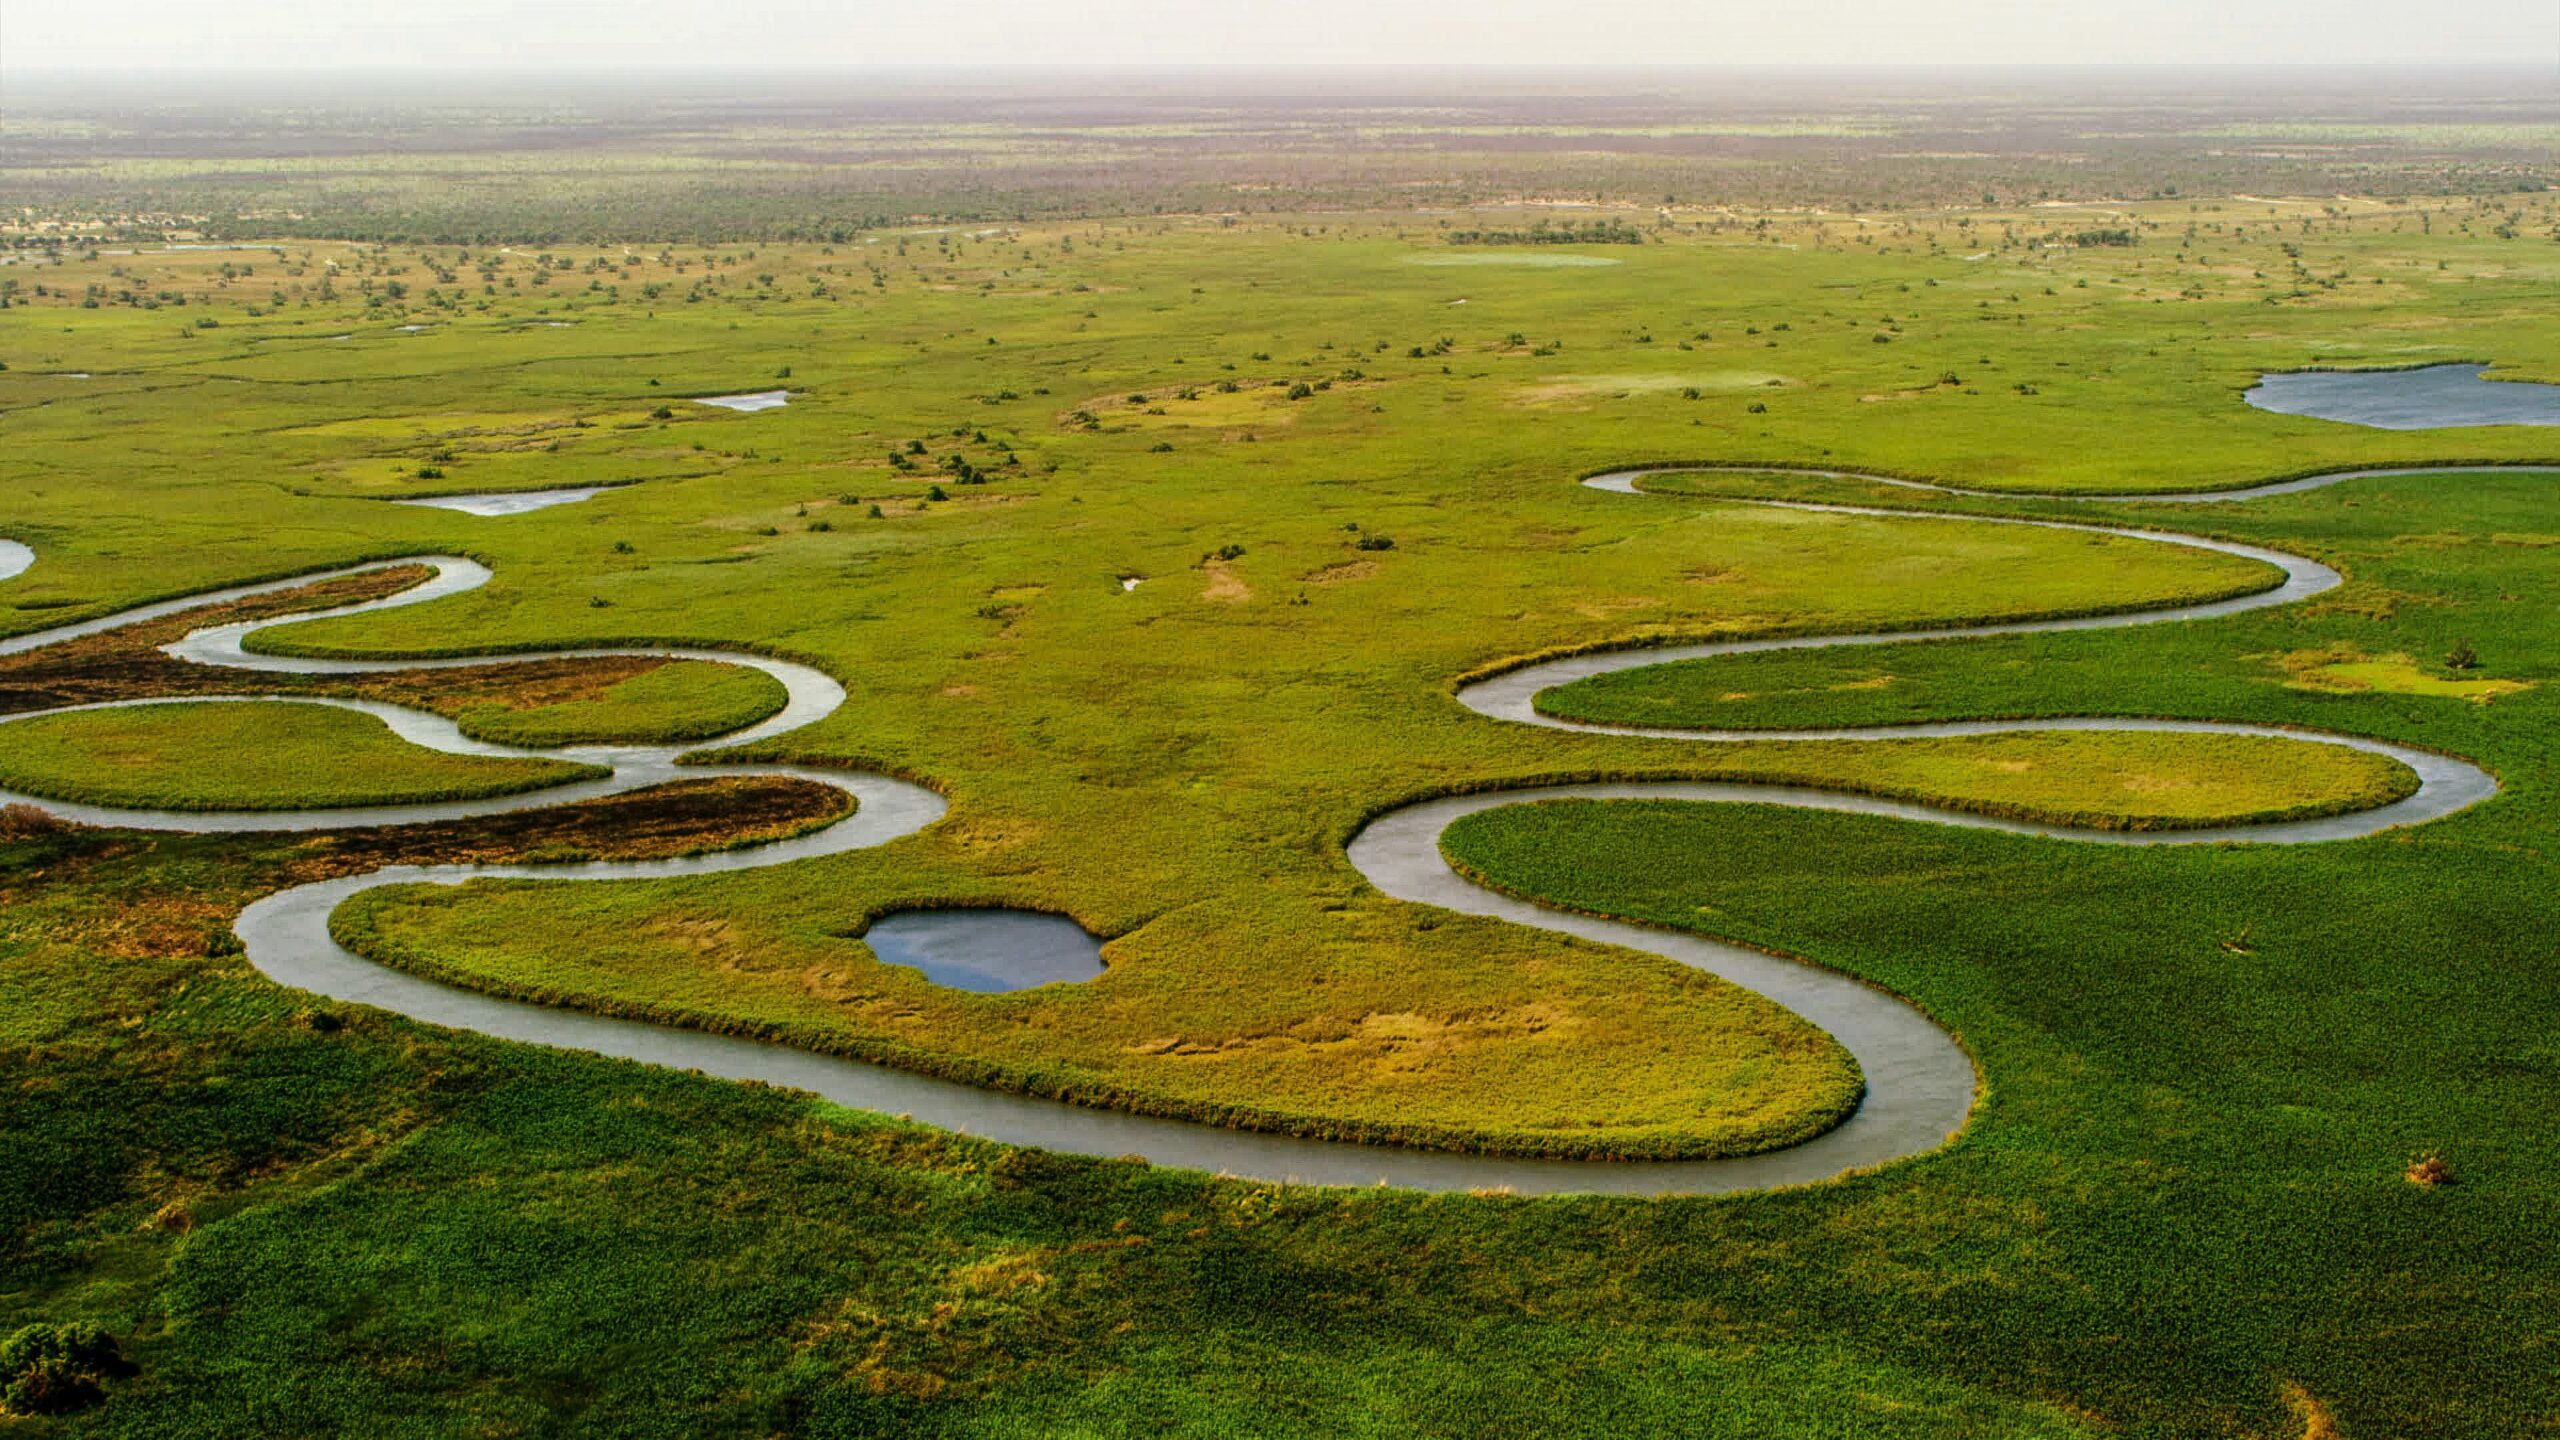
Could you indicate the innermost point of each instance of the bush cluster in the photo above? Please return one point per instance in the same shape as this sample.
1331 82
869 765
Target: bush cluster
56 1369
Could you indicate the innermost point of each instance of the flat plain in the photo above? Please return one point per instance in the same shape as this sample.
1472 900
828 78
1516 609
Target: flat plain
1157 546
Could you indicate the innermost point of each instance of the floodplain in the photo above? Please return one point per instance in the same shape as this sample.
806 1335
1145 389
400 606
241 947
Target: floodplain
2251 1145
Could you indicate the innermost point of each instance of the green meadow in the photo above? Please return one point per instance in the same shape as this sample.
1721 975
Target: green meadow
661 704
1158 546
208 756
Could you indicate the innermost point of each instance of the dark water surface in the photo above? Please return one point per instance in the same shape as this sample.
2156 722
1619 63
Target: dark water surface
2425 399
987 950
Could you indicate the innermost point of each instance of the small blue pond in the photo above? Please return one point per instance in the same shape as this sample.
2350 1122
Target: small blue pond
2430 398
987 950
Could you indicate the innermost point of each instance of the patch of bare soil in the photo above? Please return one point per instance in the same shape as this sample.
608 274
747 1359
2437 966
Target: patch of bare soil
1225 585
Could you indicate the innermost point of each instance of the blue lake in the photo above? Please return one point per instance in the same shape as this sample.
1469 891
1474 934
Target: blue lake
2431 398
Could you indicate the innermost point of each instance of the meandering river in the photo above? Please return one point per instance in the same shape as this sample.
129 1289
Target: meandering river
1920 1083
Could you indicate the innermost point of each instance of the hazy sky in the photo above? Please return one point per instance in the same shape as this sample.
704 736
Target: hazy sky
561 34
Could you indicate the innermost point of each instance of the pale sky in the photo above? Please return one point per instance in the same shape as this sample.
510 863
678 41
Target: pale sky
966 34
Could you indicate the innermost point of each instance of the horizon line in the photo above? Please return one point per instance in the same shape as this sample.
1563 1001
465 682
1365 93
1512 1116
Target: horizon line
131 69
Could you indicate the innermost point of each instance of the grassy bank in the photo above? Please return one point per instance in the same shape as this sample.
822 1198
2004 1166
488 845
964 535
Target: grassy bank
249 756
600 702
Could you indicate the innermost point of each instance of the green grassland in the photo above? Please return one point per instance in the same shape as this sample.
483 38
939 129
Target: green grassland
1464 1054
1501 1050
249 756
2140 1235
663 704
2431 562
277 1204
2239 1078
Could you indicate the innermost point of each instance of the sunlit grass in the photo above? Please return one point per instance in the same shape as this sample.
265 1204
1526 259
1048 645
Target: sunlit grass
248 756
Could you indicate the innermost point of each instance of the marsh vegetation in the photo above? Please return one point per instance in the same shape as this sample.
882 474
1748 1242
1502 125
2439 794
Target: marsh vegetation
248 756
2186 1194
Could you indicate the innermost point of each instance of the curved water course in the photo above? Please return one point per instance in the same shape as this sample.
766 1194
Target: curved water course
1920 1083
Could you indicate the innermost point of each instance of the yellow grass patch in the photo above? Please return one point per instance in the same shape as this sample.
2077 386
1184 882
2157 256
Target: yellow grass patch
1225 585
983 834
2317 1422
2344 670
1607 606
2365 600
1338 573
1567 389
2132 780
1262 402
1385 1045
441 425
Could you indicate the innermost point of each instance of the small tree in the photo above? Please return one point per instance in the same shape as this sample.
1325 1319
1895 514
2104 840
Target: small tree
2462 656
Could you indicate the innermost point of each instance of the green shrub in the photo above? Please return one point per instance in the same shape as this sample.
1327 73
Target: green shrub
56 1369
